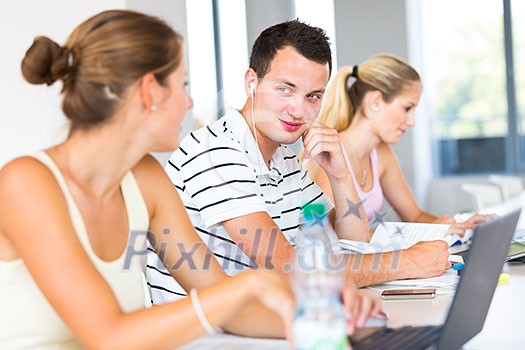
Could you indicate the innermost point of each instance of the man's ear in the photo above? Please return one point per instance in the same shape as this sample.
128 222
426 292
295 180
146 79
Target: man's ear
250 82
147 84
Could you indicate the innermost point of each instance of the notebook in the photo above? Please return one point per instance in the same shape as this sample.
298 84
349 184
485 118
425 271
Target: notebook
470 306
516 251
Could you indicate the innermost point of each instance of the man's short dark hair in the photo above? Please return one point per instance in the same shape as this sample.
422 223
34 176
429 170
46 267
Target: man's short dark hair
311 42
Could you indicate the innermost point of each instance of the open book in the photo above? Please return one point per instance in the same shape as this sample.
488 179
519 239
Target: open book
390 236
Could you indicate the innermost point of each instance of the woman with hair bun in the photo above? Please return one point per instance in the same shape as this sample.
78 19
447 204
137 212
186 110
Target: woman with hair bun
371 113
76 217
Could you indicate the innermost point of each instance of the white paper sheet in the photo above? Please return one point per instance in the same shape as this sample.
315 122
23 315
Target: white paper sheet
390 236
449 279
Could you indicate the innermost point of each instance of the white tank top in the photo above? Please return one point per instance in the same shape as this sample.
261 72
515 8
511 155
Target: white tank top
27 320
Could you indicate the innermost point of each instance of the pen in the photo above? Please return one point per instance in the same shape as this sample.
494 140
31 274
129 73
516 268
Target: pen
458 267
458 242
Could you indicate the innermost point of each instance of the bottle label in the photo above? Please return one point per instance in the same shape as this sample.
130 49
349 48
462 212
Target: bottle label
316 335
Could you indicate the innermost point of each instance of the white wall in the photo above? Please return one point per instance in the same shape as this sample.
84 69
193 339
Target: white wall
31 118
174 13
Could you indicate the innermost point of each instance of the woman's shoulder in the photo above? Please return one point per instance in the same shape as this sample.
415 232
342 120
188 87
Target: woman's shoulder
24 172
148 172
384 152
385 158
28 186
147 164
152 180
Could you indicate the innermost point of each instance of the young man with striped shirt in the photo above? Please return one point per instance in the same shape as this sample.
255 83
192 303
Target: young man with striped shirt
244 188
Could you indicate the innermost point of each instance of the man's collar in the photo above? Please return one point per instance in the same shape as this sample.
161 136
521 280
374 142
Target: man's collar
241 132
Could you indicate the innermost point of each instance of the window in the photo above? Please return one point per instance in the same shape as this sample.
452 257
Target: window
518 29
467 51
310 12
201 60
218 53
216 62
234 53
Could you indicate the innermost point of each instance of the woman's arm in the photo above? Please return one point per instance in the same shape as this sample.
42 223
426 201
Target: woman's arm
401 199
198 268
79 294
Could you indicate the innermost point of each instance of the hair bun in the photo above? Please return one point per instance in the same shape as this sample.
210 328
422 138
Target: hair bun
45 62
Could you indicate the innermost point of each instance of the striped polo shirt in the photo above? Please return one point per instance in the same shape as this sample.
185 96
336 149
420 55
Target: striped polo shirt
220 174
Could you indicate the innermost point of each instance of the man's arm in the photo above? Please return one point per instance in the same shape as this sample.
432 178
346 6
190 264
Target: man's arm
262 240
422 260
331 173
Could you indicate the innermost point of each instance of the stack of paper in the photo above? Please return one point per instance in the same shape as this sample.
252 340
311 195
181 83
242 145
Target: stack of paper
448 280
390 236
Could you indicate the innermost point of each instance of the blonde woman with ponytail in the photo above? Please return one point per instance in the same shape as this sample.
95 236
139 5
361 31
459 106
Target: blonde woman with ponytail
372 106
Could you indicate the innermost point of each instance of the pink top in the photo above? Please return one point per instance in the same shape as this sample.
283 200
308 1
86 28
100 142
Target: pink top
373 199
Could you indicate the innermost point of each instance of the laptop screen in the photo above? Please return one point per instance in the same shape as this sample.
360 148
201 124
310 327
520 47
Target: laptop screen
483 264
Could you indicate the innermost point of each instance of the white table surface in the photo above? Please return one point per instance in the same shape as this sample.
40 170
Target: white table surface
504 327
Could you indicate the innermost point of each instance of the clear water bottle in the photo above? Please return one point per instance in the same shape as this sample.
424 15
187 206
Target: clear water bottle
318 278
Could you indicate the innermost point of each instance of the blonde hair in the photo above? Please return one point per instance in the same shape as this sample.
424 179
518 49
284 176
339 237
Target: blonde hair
102 58
386 73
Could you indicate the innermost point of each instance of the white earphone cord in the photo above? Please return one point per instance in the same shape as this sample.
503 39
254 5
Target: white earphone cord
256 140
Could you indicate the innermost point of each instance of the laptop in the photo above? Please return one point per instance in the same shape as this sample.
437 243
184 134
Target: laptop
517 251
466 316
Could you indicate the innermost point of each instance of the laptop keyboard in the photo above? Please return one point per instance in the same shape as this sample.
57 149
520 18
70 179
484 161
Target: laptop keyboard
413 338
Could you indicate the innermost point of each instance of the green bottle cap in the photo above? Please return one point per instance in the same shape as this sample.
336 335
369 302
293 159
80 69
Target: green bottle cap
314 210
